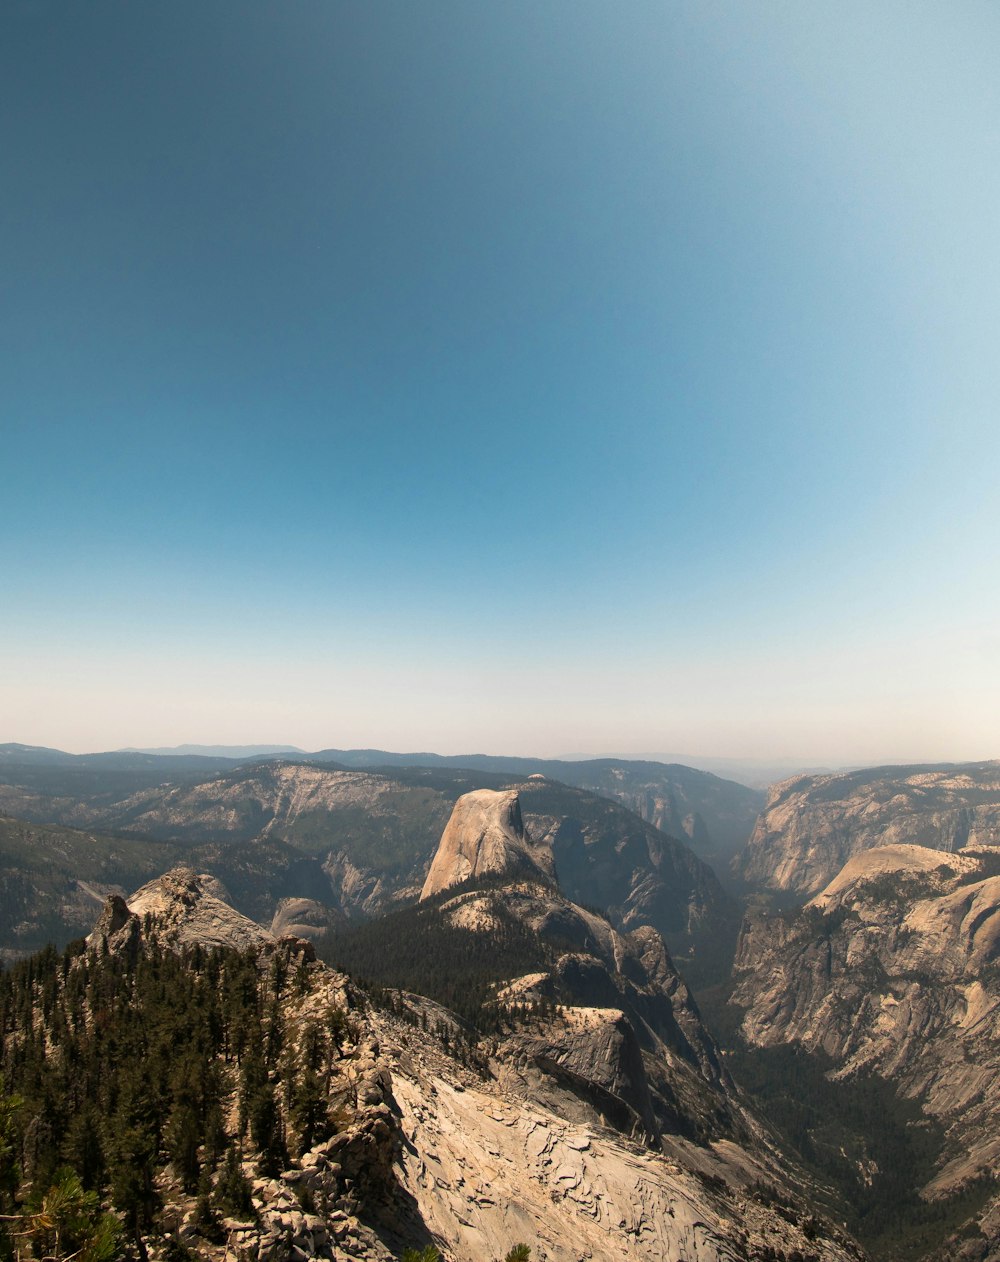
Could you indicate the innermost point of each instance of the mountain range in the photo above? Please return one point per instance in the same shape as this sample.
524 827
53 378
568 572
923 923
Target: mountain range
839 1053
582 1108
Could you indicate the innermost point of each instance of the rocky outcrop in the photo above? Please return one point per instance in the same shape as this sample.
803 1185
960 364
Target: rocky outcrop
304 918
485 837
186 909
812 825
892 969
490 1172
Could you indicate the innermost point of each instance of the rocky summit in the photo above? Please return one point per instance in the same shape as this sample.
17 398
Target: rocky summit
187 909
485 837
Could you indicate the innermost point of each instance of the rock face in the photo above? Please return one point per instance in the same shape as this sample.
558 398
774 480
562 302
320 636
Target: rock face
485 837
892 968
187 909
303 918
812 825
492 1171
627 866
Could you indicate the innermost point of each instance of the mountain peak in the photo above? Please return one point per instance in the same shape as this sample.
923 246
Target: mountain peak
186 908
485 836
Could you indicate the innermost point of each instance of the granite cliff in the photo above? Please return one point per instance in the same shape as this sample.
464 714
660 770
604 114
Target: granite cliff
892 969
485 836
811 825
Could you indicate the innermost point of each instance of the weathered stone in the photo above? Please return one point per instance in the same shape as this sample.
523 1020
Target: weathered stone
485 837
891 969
812 825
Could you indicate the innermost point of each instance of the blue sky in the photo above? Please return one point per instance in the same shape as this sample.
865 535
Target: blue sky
518 378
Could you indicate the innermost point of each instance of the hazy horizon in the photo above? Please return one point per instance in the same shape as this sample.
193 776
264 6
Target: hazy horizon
502 379
721 763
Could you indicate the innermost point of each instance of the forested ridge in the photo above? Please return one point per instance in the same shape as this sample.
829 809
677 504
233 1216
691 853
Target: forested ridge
125 1078
418 949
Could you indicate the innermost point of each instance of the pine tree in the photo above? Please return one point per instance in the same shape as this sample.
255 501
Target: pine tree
232 1192
85 1148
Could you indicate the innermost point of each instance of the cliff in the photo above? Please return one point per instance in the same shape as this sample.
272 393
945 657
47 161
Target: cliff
485 837
811 825
892 970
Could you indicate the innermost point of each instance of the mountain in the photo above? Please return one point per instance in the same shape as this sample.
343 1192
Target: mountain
716 816
241 752
713 814
485 836
811 825
15 756
891 971
631 1046
359 842
256 1099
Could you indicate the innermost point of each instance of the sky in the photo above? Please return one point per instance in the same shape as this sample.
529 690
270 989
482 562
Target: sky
511 378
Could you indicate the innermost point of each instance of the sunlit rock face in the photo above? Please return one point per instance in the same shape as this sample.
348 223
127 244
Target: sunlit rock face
893 968
185 908
812 825
484 837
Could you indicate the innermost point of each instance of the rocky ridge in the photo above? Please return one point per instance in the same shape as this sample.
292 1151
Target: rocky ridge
625 1045
893 969
811 825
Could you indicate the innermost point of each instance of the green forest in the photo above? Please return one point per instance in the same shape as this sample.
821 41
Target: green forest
113 1068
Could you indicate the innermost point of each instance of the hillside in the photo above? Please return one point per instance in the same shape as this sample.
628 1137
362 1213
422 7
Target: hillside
186 1101
54 880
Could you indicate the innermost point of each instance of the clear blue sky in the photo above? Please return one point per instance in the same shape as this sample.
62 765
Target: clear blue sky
521 377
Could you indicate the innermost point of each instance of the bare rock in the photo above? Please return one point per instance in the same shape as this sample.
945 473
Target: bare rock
304 918
892 968
485 837
186 909
812 825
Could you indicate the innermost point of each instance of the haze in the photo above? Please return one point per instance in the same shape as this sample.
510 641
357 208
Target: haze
522 378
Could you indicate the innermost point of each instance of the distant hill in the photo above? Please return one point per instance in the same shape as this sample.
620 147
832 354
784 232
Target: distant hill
220 751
